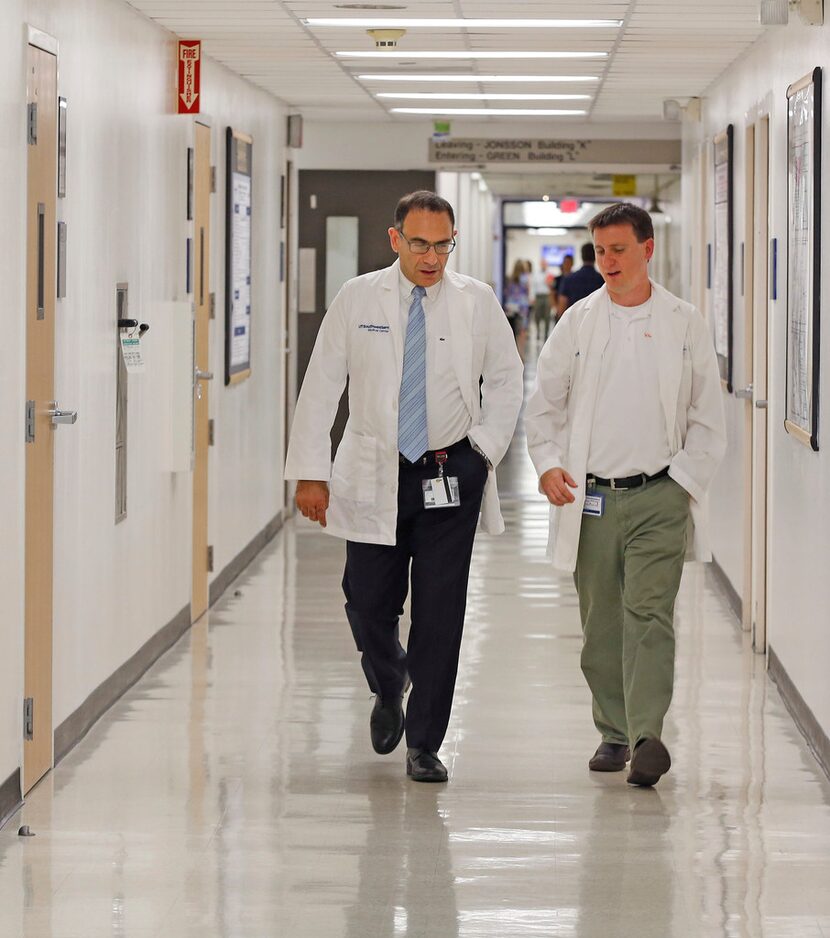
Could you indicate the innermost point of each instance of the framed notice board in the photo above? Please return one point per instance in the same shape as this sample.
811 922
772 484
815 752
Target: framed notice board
238 257
804 258
722 294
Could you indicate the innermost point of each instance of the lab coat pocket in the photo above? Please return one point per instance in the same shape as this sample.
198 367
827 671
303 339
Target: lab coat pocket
354 474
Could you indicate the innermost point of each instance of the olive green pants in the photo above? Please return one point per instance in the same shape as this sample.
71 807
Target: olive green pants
627 575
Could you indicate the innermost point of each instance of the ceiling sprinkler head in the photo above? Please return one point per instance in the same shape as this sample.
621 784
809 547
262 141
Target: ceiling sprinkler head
386 38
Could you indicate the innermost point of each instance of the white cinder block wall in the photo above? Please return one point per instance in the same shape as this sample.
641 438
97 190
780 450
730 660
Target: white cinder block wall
799 480
116 585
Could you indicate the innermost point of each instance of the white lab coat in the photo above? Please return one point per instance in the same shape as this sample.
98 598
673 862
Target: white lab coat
361 338
560 411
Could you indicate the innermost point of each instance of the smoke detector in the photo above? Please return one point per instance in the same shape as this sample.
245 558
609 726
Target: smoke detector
386 38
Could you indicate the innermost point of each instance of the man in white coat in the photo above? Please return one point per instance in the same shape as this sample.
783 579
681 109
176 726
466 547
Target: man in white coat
435 387
625 428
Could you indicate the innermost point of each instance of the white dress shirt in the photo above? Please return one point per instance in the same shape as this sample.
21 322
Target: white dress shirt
448 419
628 435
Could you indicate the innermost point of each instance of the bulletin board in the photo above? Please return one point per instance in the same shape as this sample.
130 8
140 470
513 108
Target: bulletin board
238 257
803 258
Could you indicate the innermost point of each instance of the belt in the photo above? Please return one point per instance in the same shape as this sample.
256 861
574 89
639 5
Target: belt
429 456
628 482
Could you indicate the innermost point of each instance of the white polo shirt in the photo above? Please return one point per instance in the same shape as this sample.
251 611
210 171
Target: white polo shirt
448 419
628 435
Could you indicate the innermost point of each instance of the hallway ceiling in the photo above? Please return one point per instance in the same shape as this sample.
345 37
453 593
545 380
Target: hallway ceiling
663 49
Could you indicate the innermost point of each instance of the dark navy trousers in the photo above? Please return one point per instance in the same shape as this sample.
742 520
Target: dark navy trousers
432 550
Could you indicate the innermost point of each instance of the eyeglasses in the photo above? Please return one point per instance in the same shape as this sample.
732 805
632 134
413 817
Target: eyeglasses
419 246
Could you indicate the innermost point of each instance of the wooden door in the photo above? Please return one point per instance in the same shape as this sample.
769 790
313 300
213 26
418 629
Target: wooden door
202 375
748 280
41 228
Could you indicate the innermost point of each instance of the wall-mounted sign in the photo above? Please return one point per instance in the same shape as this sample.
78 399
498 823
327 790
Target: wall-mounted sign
238 207
441 130
623 185
520 150
189 71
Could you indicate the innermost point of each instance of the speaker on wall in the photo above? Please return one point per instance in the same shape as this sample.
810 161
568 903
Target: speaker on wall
295 130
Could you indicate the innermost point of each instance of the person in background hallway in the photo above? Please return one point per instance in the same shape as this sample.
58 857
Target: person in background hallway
580 283
435 387
517 303
626 429
567 267
541 300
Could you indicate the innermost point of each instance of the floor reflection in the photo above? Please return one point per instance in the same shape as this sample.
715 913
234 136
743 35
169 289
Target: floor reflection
233 792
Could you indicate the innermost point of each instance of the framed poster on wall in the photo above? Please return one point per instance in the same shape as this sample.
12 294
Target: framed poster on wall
803 258
238 204
722 292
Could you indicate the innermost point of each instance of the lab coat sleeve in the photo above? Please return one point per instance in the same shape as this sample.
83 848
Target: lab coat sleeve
502 387
546 414
694 465
309 446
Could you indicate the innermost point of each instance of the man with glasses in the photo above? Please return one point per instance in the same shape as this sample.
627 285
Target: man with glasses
435 387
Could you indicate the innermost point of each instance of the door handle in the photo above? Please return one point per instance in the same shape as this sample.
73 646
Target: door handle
202 375
744 393
61 416
761 405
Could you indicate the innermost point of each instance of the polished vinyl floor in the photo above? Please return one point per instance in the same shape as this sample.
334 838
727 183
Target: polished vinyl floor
233 792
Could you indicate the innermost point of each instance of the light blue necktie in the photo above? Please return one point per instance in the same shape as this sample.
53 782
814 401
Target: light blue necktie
412 408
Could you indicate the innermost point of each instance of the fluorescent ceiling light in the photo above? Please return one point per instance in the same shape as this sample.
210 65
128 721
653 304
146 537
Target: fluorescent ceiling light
490 112
396 76
450 96
548 231
448 23
523 54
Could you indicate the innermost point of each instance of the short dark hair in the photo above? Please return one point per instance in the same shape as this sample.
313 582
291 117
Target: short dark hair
624 213
425 201
587 253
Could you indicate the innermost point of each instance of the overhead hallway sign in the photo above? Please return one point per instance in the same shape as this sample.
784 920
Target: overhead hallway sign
538 151
190 72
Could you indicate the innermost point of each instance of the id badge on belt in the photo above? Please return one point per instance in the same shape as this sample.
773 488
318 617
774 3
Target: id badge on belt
594 505
442 491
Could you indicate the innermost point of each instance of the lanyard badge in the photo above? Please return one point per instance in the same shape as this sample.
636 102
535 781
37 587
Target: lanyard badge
441 491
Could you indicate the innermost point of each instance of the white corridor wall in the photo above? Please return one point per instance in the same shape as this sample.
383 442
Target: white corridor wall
799 479
116 586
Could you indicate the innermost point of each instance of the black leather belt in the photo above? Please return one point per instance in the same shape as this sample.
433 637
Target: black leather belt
429 455
628 482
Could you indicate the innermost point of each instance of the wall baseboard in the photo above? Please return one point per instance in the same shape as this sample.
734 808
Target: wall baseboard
733 599
806 722
10 797
244 557
78 724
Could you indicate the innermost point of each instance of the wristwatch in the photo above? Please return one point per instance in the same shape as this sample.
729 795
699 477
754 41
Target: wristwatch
483 455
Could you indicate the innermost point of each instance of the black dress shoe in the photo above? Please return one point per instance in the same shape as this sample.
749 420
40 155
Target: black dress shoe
423 766
651 759
609 757
386 724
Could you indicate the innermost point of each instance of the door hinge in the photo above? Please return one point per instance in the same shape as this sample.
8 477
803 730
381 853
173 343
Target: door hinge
30 421
33 123
211 433
210 558
213 306
29 718
213 179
